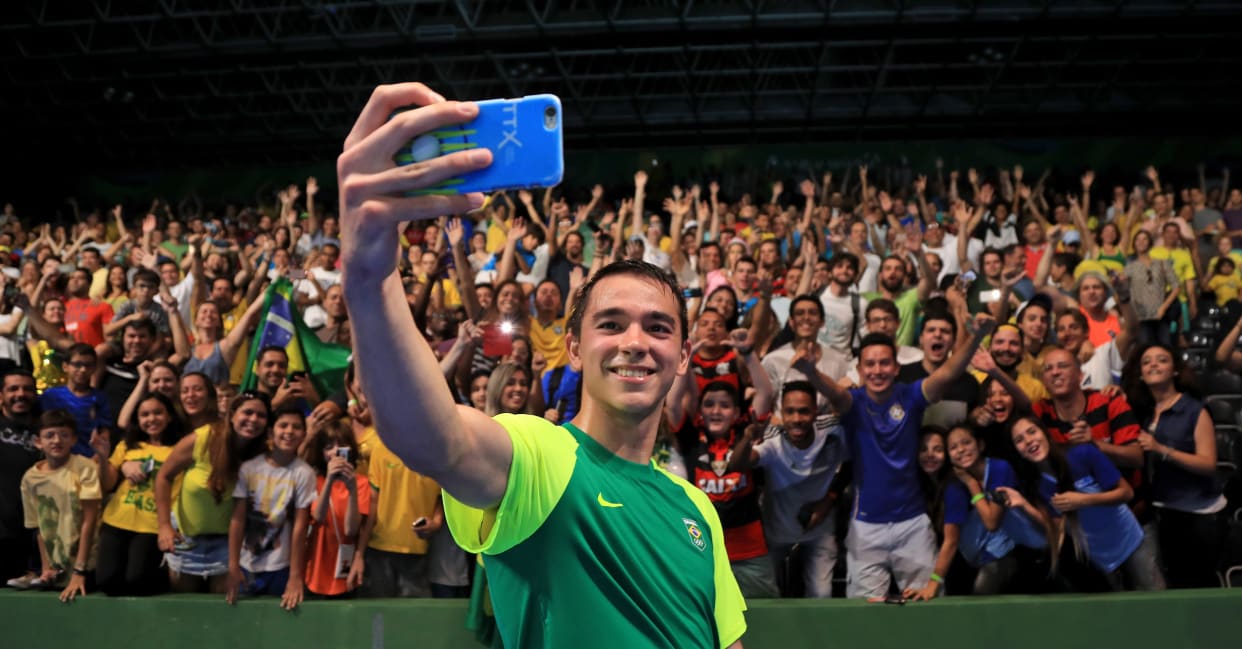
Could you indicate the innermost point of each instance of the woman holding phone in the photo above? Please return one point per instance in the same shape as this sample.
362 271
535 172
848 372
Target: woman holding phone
341 508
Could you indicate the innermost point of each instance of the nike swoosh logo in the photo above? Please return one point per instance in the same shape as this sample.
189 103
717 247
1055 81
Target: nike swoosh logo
605 503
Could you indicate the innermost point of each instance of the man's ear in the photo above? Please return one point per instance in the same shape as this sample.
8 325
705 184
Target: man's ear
575 357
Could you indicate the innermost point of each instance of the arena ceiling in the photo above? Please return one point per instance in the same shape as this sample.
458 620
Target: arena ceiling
190 82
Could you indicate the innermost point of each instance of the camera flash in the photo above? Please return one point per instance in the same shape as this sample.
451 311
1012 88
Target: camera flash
506 327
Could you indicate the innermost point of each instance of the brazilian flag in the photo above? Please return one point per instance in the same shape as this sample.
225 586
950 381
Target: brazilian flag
282 326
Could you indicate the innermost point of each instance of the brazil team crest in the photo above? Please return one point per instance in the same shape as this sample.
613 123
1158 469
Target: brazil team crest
696 534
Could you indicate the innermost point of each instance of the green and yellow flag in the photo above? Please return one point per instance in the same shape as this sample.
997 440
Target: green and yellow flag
282 326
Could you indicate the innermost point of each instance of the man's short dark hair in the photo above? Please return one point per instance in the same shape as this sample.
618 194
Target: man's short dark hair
883 304
874 339
804 387
148 276
806 297
273 348
144 325
639 269
1079 317
746 259
941 315
844 258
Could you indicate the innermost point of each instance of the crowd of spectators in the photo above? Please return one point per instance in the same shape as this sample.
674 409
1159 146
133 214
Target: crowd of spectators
849 383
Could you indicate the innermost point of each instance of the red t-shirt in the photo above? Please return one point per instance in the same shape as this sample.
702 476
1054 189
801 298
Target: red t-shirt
85 319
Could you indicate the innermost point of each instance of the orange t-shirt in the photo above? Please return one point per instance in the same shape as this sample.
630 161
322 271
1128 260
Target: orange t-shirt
326 538
1100 332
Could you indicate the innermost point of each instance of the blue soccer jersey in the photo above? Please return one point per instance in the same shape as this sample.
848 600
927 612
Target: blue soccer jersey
884 442
1110 532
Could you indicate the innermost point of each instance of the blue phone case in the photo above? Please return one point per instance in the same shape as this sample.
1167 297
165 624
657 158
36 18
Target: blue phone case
524 136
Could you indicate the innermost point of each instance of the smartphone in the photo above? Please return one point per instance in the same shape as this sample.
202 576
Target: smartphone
420 523
524 136
296 273
297 376
497 341
342 451
997 496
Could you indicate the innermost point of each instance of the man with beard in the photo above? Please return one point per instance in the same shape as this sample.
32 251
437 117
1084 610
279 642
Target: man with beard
548 326
1009 354
893 286
799 464
843 310
17 454
85 317
1073 415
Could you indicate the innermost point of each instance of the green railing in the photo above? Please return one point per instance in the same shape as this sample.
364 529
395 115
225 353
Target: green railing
1173 620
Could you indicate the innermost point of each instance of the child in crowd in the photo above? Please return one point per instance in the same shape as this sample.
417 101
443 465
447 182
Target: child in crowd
1224 282
88 406
129 554
271 512
61 497
343 504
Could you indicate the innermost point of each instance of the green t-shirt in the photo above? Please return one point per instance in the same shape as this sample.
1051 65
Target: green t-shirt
589 549
908 308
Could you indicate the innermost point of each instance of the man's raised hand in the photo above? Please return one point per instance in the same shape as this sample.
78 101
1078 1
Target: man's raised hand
372 186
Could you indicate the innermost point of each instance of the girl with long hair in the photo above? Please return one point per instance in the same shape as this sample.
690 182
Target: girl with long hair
193 530
343 503
198 400
985 518
153 377
1086 500
1179 444
129 553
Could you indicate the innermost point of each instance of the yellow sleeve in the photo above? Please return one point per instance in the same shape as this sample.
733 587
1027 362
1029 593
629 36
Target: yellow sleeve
88 480
730 605
544 455
118 455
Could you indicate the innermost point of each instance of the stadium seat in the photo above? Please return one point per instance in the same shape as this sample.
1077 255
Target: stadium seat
1202 339
1197 358
1205 323
1224 409
1223 382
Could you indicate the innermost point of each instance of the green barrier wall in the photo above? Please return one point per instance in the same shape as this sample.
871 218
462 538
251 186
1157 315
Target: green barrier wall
1208 618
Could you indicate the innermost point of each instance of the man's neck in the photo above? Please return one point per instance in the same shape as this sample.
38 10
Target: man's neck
79 390
931 366
24 419
546 317
1073 404
838 290
627 436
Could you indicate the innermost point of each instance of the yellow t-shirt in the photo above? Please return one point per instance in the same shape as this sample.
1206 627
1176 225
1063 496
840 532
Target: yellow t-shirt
1183 265
237 371
52 501
1225 286
196 508
401 497
132 506
366 442
550 341
496 237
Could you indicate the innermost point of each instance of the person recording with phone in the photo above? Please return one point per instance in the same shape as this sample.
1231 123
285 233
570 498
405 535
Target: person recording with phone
339 512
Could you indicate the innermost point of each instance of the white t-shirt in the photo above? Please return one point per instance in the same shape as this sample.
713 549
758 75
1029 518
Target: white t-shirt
539 269
839 320
947 251
11 346
1103 368
275 493
181 292
795 478
832 364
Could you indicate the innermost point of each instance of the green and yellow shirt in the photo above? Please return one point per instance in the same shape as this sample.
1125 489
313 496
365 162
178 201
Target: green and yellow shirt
589 549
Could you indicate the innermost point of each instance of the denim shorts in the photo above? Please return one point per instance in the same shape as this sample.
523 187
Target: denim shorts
205 555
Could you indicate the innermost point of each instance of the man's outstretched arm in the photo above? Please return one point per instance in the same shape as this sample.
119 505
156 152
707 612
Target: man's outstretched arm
465 451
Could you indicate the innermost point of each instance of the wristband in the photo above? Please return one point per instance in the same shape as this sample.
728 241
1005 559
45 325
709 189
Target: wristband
937 578
81 572
976 498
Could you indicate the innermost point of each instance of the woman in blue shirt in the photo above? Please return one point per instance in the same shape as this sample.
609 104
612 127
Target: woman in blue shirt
985 518
1087 499
1179 444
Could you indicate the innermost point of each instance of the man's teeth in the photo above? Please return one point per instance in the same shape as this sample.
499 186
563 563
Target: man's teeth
632 374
